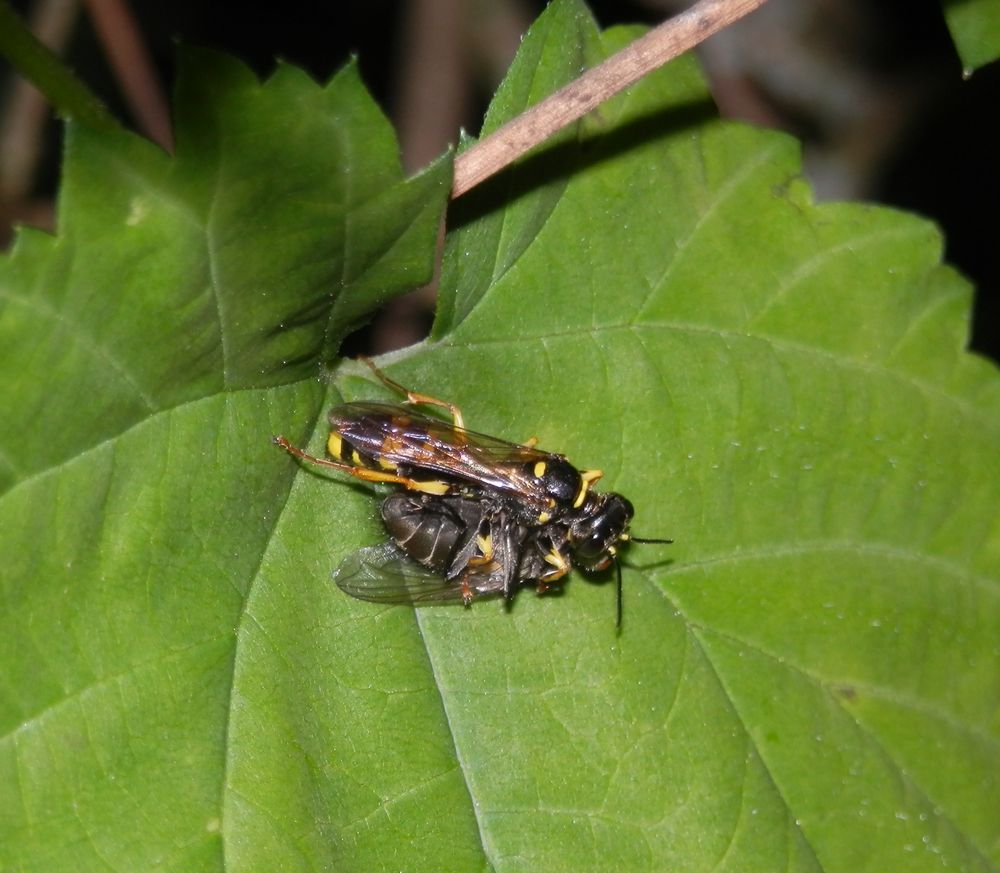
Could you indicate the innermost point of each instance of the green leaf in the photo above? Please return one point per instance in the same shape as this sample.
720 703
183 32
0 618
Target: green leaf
975 28
807 680
147 353
493 229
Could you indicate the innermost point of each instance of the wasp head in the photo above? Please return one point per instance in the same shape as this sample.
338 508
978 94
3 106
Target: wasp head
601 522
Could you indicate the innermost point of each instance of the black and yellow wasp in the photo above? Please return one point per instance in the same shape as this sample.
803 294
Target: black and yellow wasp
475 516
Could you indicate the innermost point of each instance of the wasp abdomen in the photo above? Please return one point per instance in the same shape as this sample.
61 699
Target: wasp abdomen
341 450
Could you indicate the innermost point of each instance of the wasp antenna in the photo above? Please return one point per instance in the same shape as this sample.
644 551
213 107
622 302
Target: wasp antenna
645 540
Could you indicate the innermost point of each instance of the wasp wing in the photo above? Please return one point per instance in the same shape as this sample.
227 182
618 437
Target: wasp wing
384 574
405 438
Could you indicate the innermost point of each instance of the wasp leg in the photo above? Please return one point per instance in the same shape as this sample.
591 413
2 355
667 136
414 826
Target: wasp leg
590 476
587 478
560 567
485 545
548 583
467 594
414 397
431 486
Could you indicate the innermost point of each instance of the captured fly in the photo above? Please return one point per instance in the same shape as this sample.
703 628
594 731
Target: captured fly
475 515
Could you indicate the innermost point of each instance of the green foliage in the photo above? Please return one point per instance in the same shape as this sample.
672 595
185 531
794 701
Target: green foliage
147 353
806 680
975 28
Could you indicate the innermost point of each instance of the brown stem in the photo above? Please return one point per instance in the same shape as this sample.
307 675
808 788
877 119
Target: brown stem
122 41
624 68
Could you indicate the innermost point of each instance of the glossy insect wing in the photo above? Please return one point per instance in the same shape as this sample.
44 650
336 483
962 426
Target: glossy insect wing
386 574
402 440
470 544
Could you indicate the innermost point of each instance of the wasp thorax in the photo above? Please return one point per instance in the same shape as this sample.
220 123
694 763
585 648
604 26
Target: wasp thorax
560 479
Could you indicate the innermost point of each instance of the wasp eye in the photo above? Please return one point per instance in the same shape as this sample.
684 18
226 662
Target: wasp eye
594 545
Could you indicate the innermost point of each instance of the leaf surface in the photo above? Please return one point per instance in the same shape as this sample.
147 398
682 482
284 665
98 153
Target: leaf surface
806 680
975 28
181 316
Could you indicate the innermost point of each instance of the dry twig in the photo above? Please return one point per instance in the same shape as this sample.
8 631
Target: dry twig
661 44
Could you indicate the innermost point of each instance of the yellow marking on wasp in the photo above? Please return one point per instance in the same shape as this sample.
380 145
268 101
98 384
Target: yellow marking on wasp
588 477
485 546
539 470
556 559
560 567
358 460
544 517
365 474
385 463
530 442
334 444
433 486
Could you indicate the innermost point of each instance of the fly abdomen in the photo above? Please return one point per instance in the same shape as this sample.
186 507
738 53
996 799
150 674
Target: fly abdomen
438 532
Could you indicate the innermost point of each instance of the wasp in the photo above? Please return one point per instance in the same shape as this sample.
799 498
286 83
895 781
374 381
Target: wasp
473 515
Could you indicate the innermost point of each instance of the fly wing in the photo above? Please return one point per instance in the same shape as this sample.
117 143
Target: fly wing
406 438
384 574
